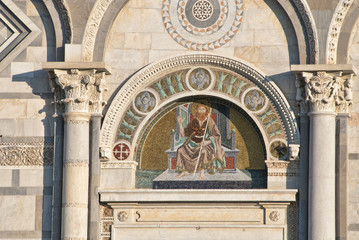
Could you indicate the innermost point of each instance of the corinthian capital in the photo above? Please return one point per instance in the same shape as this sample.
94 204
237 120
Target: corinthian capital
77 87
324 89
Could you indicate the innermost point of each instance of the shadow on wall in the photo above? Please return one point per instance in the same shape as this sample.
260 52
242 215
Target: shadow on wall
288 30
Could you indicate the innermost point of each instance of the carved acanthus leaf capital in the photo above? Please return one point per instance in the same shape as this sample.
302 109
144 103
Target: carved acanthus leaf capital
78 90
324 91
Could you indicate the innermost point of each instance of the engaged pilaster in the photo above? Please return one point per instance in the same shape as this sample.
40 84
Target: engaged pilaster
78 92
322 92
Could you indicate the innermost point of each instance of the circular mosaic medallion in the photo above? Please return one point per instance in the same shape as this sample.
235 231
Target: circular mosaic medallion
121 151
254 100
202 25
278 149
199 79
145 101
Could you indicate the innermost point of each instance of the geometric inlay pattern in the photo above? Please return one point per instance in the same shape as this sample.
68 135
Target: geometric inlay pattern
202 25
5 32
16 31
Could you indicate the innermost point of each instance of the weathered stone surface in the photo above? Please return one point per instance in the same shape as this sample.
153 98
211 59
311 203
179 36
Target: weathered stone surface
17 213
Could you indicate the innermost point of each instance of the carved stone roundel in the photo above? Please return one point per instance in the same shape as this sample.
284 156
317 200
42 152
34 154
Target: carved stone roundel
202 25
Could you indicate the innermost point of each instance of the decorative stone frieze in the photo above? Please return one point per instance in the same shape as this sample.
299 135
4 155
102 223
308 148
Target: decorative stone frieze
325 88
335 28
26 154
66 17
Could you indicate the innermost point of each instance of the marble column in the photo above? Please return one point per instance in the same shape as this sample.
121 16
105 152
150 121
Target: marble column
325 93
77 92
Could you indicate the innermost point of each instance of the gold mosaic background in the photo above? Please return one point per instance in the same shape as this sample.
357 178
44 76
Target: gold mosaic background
251 154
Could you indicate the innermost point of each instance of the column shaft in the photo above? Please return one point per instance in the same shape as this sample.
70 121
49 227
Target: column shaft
75 176
94 201
303 186
322 176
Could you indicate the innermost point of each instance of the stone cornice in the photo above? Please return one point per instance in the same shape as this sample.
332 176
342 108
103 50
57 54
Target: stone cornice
324 87
193 195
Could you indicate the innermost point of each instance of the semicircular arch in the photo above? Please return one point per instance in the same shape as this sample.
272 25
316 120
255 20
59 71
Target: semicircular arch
177 77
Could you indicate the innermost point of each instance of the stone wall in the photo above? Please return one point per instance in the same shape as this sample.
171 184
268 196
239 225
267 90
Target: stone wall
26 124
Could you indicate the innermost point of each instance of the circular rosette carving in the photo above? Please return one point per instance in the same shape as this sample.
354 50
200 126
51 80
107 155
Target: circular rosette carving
199 79
202 25
145 101
122 216
274 216
278 149
121 151
254 100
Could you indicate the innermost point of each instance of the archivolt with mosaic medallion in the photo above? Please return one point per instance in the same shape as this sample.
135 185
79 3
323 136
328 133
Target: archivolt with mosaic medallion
165 82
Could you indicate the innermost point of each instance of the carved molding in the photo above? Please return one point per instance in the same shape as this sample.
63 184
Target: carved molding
310 28
62 5
335 28
92 26
75 164
277 164
75 205
324 91
151 73
73 238
76 122
107 219
26 154
78 90
120 164
283 174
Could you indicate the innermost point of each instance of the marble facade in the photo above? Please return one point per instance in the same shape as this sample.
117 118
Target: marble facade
86 83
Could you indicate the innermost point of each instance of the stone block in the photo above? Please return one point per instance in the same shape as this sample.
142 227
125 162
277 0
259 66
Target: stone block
156 55
128 59
225 50
274 53
38 108
117 41
164 41
31 10
197 231
36 54
250 54
5 177
118 175
269 37
17 213
140 20
36 177
31 127
73 52
137 41
22 70
8 127
145 4
14 108
264 19
243 39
